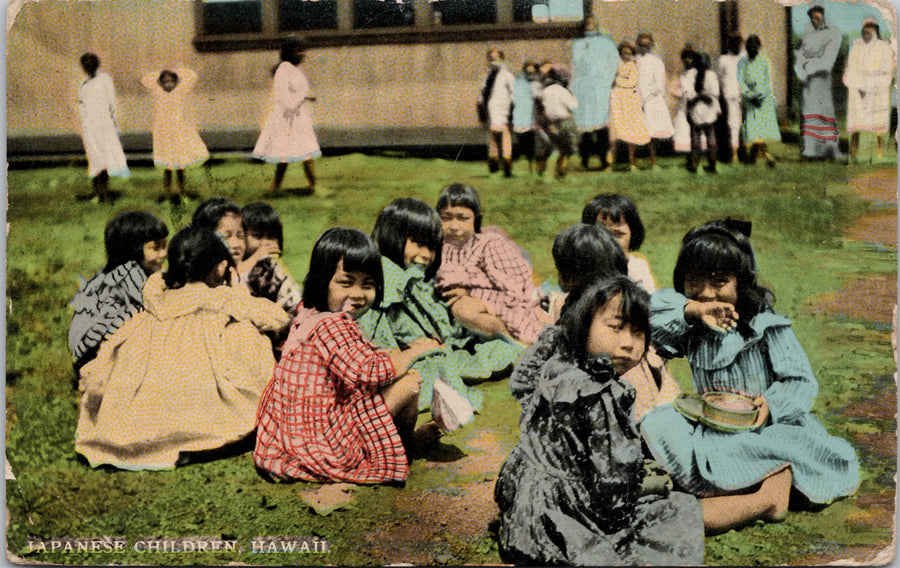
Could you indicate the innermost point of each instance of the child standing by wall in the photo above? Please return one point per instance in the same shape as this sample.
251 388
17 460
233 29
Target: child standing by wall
135 248
288 134
338 409
721 319
570 492
484 276
185 374
619 214
625 111
558 127
176 142
99 127
701 96
408 234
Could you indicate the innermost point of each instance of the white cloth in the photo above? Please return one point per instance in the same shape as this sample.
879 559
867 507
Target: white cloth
726 69
288 135
868 75
99 130
652 88
559 102
701 113
500 101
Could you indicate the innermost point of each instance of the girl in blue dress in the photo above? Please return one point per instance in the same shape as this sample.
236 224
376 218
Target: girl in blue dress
721 319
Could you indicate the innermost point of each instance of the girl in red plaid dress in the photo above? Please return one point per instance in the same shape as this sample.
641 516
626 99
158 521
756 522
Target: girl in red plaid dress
338 409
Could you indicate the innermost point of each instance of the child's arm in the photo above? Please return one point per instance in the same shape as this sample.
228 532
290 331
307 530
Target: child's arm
290 95
794 389
507 269
668 323
187 78
264 314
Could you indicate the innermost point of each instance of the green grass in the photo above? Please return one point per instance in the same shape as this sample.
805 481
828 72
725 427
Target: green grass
799 211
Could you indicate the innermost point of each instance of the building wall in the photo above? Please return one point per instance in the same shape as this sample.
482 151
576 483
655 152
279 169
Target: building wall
372 94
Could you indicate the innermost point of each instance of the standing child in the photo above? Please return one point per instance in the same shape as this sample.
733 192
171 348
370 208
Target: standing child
619 214
99 127
268 277
625 111
558 131
185 374
338 409
721 319
484 276
408 233
701 97
525 88
760 120
571 490
288 135
135 248
176 142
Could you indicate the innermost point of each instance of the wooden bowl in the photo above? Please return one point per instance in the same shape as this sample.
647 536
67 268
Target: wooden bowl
728 411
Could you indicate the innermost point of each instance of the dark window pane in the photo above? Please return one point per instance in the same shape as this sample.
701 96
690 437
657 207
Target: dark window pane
382 13
296 15
465 11
231 16
548 10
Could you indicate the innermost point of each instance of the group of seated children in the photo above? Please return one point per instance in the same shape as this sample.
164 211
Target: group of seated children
607 470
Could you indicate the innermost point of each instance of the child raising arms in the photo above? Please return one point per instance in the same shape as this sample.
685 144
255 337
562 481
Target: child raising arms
135 248
570 492
176 142
337 409
619 214
483 274
721 319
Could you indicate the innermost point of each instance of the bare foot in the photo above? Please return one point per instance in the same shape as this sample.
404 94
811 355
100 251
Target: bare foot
777 487
423 438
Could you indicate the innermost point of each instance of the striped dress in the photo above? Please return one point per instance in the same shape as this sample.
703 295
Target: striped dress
771 363
102 305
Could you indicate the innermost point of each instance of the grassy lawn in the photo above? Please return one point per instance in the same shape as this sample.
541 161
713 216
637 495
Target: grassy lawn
801 213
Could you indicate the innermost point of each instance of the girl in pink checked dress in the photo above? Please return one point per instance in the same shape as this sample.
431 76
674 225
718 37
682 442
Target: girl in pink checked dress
483 273
176 142
337 408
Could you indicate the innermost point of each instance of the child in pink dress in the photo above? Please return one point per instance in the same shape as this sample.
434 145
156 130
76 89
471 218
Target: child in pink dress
176 141
288 135
483 273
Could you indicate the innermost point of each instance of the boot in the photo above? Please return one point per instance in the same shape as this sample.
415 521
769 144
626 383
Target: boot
507 168
493 165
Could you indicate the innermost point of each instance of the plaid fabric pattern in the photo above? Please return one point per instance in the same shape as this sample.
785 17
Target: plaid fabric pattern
494 269
322 417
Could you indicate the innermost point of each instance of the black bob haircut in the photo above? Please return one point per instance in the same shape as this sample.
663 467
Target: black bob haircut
408 218
193 254
261 218
722 247
585 252
126 234
290 48
359 254
167 73
618 208
581 307
90 63
210 211
461 195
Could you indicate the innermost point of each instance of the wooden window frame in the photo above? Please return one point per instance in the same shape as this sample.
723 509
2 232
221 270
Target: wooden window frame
423 30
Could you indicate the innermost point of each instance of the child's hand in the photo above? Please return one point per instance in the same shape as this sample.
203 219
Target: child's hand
420 346
763 409
720 316
266 249
453 294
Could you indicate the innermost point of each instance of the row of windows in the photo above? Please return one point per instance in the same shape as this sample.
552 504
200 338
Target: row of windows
222 19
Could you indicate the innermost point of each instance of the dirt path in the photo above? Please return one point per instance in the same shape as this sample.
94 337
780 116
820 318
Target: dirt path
880 296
